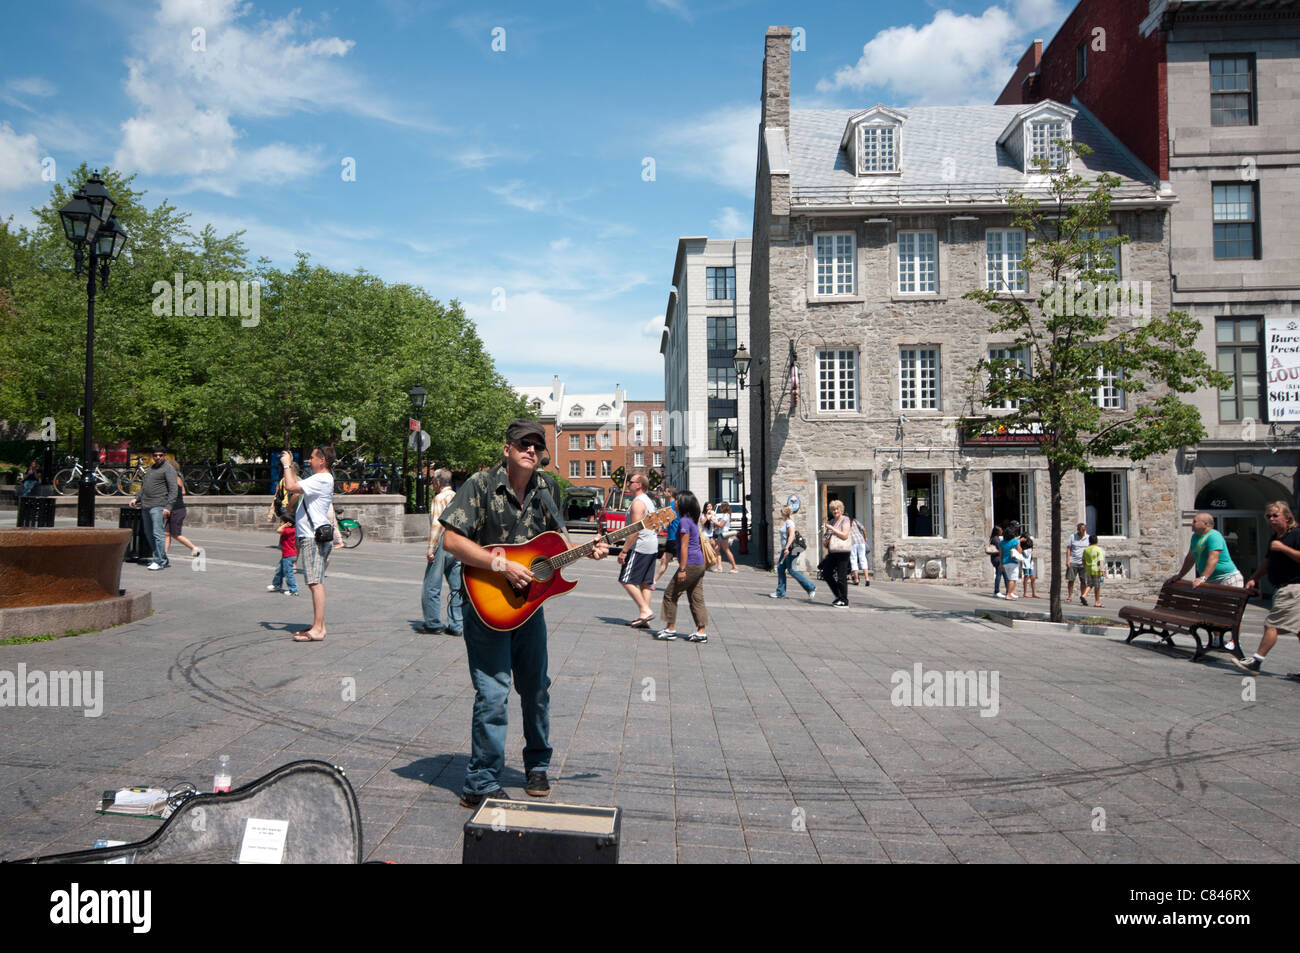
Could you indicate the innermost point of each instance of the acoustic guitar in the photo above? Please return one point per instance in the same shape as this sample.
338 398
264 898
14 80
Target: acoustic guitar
502 607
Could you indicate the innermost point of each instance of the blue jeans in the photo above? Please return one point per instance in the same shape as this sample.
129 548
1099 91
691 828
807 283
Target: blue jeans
284 572
154 524
444 564
999 577
493 656
785 565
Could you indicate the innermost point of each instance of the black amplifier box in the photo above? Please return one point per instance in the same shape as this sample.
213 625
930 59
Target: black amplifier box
522 832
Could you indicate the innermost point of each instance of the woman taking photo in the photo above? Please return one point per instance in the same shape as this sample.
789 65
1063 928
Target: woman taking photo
689 577
835 540
722 534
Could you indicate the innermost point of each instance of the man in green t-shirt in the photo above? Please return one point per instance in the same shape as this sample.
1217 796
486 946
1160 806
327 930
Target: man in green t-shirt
1094 572
1209 551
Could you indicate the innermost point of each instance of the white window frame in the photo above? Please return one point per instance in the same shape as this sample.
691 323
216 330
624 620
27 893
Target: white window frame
837 380
1109 394
575 410
1042 136
606 440
1021 354
591 468
919 377
1102 234
591 441
1004 272
879 148
575 441
606 468
918 265
656 427
638 459
937 515
575 469
835 256
658 458
1119 502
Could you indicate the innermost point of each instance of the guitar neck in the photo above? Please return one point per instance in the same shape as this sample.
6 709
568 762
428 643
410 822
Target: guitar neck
578 552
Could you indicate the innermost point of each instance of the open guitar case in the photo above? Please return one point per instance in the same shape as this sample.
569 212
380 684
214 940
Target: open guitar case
315 798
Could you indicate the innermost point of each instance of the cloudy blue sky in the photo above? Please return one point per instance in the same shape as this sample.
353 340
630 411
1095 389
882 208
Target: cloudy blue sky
498 148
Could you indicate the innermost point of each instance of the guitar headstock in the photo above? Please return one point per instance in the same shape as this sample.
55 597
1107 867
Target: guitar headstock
660 518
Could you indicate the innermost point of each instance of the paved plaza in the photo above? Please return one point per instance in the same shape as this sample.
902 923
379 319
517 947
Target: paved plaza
778 741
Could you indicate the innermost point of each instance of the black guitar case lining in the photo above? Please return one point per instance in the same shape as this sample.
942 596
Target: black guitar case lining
314 797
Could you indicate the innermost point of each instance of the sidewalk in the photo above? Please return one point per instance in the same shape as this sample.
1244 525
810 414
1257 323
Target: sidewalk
777 741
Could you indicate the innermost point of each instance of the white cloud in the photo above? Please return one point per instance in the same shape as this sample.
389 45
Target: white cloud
16 91
478 158
677 7
717 146
519 195
20 159
731 224
654 328
955 58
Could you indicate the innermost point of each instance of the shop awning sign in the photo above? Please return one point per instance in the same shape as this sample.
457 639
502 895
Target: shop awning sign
1283 359
990 432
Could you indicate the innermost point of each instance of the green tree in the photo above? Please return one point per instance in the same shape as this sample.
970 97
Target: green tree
1082 322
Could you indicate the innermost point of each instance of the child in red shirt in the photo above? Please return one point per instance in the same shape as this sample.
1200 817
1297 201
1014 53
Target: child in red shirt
288 553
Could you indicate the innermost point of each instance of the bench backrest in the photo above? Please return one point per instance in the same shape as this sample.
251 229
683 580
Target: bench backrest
1219 603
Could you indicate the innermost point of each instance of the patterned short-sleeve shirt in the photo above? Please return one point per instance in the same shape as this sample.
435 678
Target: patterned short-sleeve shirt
486 511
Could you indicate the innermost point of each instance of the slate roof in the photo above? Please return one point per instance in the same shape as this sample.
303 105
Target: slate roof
980 171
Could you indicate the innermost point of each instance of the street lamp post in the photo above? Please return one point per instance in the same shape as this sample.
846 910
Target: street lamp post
89 224
418 396
741 360
730 442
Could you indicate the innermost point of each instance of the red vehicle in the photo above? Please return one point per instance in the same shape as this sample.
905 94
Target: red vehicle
613 514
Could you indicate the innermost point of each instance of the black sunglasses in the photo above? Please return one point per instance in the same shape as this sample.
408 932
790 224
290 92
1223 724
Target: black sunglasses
525 444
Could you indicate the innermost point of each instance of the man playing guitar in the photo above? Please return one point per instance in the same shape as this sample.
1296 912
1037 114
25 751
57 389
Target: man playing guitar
498 506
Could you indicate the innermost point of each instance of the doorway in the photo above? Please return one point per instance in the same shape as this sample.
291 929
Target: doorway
854 491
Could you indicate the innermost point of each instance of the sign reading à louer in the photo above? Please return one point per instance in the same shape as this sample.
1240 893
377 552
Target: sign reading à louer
1283 361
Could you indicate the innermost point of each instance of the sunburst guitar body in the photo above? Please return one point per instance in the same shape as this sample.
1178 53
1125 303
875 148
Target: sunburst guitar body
502 607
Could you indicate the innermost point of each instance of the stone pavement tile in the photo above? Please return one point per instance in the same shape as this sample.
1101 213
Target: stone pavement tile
415 835
981 849
1047 847
1109 847
695 854
1176 850
403 854
707 810
774 857
1245 850
647 854
780 841
710 835
951 815
916 850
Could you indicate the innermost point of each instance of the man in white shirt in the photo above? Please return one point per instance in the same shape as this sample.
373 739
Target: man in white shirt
639 554
313 512
1074 547
441 563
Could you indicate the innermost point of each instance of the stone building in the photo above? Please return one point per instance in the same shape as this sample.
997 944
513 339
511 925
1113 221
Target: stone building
1205 95
584 431
706 317
869 227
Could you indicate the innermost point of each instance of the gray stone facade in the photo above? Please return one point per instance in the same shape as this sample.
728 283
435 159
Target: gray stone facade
872 453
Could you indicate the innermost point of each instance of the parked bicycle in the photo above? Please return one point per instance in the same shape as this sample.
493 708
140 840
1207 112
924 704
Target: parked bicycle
349 530
223 478
361 476
106 479
130 482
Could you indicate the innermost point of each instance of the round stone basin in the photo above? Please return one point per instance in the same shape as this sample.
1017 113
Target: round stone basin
50 566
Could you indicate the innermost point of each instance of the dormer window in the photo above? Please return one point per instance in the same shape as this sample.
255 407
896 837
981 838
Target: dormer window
537 406
879 149
602 410
1036 133
873 141
1043 143
576 410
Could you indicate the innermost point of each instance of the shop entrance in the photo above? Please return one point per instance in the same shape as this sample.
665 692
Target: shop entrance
855 493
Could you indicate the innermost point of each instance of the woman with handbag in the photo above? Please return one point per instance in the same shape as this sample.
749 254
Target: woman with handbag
994 552
722 534
689 578
791 547
835 537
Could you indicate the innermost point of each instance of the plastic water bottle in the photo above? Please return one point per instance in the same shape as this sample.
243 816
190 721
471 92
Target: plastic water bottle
221 780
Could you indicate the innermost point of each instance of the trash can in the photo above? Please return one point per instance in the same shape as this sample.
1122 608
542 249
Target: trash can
139 549
34 511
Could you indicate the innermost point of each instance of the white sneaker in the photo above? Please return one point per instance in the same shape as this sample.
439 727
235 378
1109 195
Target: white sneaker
272 588
153 567
998 595
812 596
775 595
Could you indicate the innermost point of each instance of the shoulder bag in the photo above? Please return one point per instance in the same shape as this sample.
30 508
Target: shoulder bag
838 545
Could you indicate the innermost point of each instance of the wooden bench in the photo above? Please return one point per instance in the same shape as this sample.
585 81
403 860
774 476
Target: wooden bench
1184 608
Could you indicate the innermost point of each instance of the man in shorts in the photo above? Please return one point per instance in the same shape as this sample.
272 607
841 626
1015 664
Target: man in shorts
639 556
1282 563
313 512
1209 551
1074 547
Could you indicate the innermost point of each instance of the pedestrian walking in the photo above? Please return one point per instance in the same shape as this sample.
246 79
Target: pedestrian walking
315 533
157 490
285 581
1074 547
441 565
1282 564
994 552
792 545
640 553
1028 567
1094 571
859 553
670 548
689 577
722 535
176 521
1209 553
835 539
1011 557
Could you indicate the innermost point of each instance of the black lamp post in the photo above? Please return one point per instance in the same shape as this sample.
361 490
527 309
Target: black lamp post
89 224
418 396
741 360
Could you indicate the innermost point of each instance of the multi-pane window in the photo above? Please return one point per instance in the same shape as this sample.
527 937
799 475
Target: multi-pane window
1004 249
918 262
575 441
918 378
1109 395
1044 136
835 255
1013 499
606 468
575 468
1240 357
1021 356
1235 222
606 440
657 423
659 458
591 441
1232 89
923 499
722 384
638 459
638 430
716 426
837 380
1105 493
591 468
721 333
720 283
1107 261
879 149
727 486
